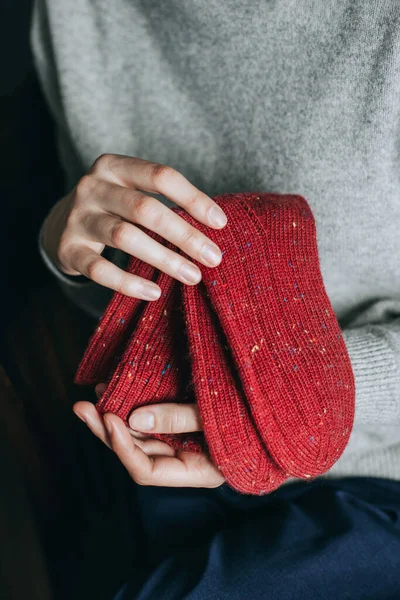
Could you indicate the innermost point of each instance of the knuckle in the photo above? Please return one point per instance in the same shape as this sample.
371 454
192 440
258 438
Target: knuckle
84 188
119 235
102 163
128 284
170 261
141 207
162 174
77 217
127 288
95 269
175 422
192 200
147 211
189 239
128 199
181 423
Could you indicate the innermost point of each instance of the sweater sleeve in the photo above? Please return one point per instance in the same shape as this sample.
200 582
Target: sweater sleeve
89 296
373 344
45 60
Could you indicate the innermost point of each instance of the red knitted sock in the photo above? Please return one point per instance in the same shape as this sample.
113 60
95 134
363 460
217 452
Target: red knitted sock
295 390
152 368
115 327
233 440
283 333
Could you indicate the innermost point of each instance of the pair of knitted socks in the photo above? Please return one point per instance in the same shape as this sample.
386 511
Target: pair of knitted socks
256 344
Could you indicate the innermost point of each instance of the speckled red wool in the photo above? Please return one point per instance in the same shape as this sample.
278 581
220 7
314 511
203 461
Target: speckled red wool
282 403
151 369
283 334
234 442
114 329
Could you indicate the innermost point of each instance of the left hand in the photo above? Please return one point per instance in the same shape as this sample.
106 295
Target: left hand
147 460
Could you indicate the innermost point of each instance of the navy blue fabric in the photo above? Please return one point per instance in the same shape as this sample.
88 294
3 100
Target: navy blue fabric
324 540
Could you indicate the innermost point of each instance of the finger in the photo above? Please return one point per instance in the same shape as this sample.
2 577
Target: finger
137 435
133 206
154 447
98 269
116 233
148 445
187 470
99 389
166 418
89 415
161 179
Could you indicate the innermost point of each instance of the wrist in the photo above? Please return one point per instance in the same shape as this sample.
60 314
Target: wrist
52 229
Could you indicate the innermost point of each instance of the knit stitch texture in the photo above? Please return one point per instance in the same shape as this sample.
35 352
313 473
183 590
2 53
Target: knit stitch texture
256 344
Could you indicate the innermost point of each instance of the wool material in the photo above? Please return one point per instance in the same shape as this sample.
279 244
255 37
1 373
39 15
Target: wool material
256 345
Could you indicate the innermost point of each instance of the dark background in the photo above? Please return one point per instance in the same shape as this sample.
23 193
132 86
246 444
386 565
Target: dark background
30 175
52 504
68 509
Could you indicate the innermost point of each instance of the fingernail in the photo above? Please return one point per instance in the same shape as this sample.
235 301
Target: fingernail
190 273
81 418
217 217
143 421
109 425
211 254
150 292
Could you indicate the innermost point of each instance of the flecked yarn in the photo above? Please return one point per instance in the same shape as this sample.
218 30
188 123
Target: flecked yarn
256 344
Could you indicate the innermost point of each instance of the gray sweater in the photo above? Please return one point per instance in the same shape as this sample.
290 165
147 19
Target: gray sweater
295 96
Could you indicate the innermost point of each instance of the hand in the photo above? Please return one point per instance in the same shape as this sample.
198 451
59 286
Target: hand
104 209
150 461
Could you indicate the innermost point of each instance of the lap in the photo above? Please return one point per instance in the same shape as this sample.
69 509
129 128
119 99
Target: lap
318 540
83 500
328 539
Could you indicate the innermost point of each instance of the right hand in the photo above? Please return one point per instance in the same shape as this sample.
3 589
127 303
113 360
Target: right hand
150 461
102 211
